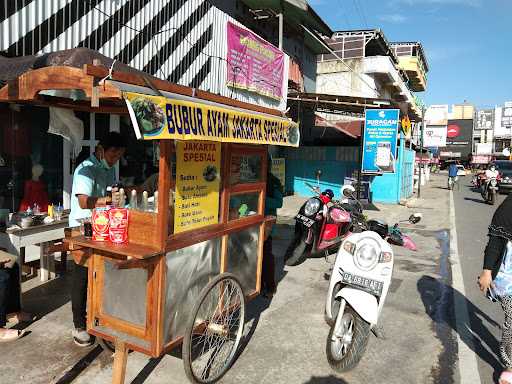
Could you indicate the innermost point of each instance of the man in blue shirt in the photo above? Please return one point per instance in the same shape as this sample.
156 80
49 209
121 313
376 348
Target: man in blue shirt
452 174
90 181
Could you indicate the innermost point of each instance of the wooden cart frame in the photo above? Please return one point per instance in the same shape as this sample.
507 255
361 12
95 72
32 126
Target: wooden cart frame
147 247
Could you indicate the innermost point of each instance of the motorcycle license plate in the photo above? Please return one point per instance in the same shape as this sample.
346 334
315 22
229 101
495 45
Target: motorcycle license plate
305 220
369 285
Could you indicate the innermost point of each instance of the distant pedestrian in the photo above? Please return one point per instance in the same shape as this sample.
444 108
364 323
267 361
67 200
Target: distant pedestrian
496 278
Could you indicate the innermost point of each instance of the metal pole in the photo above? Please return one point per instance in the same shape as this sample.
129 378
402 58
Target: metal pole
281 38
421 149
359 175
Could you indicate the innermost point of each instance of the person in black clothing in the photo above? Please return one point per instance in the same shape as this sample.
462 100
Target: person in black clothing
273 201
500 233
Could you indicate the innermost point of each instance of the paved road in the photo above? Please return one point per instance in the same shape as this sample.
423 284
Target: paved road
472 218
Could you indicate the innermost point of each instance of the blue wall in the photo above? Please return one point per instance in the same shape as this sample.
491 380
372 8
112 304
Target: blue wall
393 187
336 163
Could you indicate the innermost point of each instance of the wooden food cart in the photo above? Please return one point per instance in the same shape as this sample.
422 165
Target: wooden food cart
191 263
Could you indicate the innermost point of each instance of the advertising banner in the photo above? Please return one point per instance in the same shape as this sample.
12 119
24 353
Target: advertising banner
253 63
436 115
459 136
156 117
380 140
481 159
279 170
485 119
434 136
483 148
198 165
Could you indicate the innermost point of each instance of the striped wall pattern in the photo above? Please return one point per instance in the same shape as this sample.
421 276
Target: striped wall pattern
183 41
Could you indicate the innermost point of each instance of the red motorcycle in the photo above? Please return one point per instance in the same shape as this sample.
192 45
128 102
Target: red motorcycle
321 225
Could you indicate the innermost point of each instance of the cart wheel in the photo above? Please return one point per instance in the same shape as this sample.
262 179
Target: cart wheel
214 330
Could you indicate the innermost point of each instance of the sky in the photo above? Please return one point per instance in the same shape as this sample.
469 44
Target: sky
468 43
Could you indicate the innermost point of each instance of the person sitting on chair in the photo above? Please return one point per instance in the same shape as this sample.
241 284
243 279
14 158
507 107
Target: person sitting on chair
10 309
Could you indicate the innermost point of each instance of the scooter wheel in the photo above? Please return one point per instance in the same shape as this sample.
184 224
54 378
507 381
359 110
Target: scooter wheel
346 346
297 253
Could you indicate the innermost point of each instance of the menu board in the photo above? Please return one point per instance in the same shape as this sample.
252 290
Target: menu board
198 165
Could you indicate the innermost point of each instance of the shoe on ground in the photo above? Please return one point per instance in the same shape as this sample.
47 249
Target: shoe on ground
20 317
82 338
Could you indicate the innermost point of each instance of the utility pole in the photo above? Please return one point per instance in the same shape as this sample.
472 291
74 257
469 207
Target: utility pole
421 149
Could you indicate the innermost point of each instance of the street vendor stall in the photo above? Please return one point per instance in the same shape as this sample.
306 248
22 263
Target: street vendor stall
193 258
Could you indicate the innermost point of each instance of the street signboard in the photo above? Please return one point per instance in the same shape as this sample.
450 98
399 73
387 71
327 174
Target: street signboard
434 136
485 119
506 115
481 159
483 148
436 115
380 140
459 137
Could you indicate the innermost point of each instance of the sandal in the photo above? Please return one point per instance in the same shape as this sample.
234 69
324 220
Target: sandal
505 377
7 335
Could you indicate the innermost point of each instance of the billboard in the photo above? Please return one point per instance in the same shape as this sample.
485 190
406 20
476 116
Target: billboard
485 119
380 140
434 136
436 115
459 136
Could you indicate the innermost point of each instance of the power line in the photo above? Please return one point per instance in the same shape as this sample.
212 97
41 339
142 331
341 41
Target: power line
363 13
345 15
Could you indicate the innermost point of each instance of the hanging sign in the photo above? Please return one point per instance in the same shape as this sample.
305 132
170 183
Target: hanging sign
253 63
197 184
406 126
156 117
380 139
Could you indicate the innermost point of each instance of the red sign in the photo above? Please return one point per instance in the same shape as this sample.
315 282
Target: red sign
453 131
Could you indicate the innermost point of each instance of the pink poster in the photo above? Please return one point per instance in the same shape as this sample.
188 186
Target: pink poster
254 64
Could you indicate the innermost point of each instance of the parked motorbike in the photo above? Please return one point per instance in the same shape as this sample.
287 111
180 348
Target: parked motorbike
358 288
490 190
321 225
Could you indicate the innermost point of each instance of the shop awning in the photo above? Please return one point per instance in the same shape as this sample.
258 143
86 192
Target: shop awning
344 105
351 128
82 79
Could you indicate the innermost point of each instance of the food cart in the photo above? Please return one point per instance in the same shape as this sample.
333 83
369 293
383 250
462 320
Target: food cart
194 259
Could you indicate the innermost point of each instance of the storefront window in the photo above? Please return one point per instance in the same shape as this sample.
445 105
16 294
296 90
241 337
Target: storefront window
245 169
243 205
31 161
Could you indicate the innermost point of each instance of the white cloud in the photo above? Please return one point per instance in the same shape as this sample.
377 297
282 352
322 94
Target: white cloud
393 18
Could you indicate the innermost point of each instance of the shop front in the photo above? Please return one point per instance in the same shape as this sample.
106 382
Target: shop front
174 262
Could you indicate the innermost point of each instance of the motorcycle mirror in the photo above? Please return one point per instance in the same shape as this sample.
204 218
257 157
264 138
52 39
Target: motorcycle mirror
415 218
347 190
318 173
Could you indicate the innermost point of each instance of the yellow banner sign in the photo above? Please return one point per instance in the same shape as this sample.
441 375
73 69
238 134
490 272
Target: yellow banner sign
197 185
155 118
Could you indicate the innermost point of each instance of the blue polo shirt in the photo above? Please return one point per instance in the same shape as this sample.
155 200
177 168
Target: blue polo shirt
91 178
452 170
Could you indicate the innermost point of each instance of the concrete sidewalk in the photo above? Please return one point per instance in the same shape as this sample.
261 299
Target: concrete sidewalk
287 334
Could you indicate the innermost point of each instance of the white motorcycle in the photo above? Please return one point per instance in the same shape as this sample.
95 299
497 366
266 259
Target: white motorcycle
359 283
